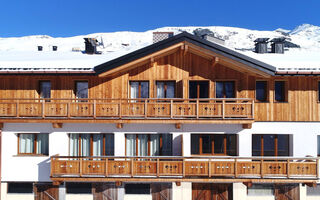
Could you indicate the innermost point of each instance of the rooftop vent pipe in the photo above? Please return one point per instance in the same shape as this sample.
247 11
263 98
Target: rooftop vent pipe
277 45
213 38
261 45
158 36
40 48
91 45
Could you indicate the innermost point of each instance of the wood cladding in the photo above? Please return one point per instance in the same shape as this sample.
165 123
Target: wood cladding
180 66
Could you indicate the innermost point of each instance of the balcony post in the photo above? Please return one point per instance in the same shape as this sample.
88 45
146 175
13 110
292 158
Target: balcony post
223 109
132 167
158 167
17 109
171 108
235 168
69 110
183 168
317 168
288 168
197 108
209 168
145 109
106 166
80 168
252 109
42 107
94 109
261 168
120 109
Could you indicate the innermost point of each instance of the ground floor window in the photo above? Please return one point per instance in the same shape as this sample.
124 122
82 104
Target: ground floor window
214 144
33 144
271 145
261 190
137 188
149 144
21 188
91 144
79 188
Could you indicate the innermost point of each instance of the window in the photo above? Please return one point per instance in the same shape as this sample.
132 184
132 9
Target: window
148 144
214 144
137 188
81 90
225 89
45 89
262 91
261 190
91 144
166 89
139 89
25 188
198 89
79 188
33 144
280 91
270 145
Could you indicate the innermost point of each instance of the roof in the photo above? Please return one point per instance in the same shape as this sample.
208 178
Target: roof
186 37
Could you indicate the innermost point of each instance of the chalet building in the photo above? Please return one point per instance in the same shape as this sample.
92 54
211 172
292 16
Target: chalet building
183 118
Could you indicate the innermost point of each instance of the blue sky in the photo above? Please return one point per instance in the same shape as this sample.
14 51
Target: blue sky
61 18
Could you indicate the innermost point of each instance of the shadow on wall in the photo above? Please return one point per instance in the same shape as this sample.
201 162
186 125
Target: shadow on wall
44 170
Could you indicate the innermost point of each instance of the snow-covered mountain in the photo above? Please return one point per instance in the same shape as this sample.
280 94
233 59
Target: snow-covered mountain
306 35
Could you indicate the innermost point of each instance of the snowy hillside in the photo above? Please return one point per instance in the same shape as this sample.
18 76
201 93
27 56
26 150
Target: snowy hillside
22 52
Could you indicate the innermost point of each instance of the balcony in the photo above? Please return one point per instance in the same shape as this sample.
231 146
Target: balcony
193 169
127 109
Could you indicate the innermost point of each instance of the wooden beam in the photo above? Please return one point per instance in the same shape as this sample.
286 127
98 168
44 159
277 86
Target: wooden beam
57 125
215 61
57 183
311 184
118 183
178 125
246 126
119 125
186 48
178 183
248 184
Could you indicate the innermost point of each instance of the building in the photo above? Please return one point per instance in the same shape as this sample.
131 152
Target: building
183 118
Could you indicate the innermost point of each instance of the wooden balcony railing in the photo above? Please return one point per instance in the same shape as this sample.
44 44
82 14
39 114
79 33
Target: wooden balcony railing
127 108
185 167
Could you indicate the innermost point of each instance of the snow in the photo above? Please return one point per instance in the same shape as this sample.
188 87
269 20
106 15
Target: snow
20 53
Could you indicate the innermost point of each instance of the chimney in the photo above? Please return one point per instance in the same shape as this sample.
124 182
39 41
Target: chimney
261 45
91 45
40 48
54 48
158 36
277 45
212 38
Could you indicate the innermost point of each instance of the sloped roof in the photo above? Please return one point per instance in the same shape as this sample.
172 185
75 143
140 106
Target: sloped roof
186 37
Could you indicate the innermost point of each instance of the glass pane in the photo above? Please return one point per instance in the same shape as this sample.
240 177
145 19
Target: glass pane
144 89
232 145
261 90
229 86
26 143
279 91
43 144
82 89
85 145
219 90
97 142
154 145
134 90
131 145
206 144
109 144
74 144
142 145
193 90
256 145
166 145
283 145
268 145
204 89
160 90
218 141
45 89
195 144
170 90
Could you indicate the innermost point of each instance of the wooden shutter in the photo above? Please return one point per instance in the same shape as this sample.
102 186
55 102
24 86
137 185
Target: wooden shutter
161 191
287 192
204 191
46 192
105 191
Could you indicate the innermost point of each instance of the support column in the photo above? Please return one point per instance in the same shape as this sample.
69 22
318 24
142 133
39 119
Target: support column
62 191
303 191
120 191
239 191
184 191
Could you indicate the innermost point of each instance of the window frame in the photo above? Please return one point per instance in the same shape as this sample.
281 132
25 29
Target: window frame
198 88
139 91
149 150
266 91
91 143
35 142
224 93
166 81
276 146
225 149
285 91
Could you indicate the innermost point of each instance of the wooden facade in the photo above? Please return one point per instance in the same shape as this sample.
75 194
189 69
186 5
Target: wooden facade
180 66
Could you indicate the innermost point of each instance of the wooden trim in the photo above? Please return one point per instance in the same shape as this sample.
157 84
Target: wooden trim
246 126
57 125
